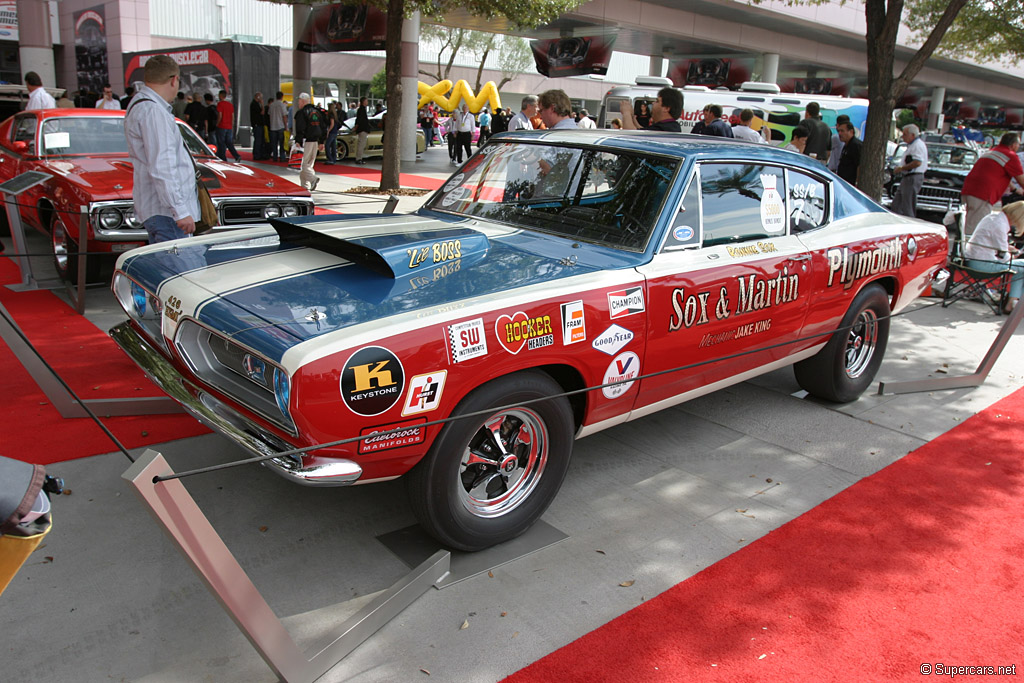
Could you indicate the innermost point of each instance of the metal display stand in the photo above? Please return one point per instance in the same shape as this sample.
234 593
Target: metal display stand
11 190
177 512
963 381
61 398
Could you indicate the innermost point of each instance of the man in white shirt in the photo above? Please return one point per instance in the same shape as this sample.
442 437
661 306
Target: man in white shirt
38 98
108 101
556 110
915 163
585 122
465 124
743 131
277 112
164 189
521 121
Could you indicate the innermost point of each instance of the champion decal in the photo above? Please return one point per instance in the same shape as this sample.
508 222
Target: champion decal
625 302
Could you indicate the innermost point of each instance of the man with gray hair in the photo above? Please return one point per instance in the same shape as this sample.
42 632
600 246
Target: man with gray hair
585 122
310 134
913 166
521 121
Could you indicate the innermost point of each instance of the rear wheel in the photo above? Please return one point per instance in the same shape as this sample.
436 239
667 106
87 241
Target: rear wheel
342 150
488 478
846 366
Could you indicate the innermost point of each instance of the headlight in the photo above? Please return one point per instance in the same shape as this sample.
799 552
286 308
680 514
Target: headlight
291 210
139 296
272 211
886 176
282 391
110 218
129 218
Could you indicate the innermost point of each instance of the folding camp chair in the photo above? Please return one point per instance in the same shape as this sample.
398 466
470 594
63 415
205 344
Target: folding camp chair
295 157
964 282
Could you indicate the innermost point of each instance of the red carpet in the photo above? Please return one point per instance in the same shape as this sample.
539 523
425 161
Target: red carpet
91 364
368 175
921 563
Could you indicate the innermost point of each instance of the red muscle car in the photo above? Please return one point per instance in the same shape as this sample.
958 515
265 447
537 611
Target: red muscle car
86 152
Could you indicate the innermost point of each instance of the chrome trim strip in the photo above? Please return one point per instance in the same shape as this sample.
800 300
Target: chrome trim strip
223 419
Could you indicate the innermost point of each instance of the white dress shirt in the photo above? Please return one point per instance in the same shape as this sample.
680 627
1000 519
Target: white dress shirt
465 122
586 123
519 122
103 103
40 99
919 151
747 133
164 178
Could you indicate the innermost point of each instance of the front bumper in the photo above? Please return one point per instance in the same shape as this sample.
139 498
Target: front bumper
222 418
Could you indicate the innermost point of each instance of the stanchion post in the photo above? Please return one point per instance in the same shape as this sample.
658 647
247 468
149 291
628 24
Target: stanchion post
962 381
176 511
11 190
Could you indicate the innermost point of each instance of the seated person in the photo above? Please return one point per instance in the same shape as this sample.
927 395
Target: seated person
989 249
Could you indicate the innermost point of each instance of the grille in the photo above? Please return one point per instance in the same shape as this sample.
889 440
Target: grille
235 212
233 369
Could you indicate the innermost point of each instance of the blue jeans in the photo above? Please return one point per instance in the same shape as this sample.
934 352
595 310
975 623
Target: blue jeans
162 229
1016 284
277 145
428 132
258 142
331 146
226 143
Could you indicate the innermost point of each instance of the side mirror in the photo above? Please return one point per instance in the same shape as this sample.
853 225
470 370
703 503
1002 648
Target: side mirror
21 147
213 148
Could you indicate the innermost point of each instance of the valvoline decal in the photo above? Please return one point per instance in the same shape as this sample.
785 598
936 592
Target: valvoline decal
683 233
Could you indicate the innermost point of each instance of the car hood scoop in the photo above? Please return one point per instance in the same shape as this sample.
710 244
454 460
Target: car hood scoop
393 254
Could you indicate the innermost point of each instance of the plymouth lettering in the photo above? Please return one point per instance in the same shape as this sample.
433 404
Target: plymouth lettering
854 266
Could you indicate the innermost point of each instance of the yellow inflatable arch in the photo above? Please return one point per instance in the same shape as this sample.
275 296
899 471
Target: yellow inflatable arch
460 93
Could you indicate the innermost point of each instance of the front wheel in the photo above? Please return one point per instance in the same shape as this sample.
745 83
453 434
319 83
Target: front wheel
846 366
488 478
342 150
65 254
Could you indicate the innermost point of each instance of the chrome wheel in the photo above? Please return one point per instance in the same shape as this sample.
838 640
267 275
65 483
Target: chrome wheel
861 342
59 238
503 463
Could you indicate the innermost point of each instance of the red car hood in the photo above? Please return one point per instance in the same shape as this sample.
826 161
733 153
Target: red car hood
110 177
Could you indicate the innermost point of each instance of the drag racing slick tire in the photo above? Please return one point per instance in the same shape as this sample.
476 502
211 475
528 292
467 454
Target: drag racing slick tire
846 366
488 478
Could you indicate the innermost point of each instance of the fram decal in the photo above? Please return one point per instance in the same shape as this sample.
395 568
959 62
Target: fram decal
623 369
626 302
424 393
514 331
613 340
467 340
395 435
372 381
574 324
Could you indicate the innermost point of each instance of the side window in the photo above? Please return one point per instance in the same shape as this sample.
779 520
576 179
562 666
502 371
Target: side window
24 130
808 202
740 202
685 230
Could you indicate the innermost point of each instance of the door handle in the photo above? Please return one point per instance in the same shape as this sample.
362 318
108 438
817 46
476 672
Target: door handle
801 257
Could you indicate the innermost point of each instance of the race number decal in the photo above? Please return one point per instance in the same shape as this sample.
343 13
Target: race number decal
773 209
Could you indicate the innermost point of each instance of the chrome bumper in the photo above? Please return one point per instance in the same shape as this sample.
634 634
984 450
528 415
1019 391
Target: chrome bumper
221 418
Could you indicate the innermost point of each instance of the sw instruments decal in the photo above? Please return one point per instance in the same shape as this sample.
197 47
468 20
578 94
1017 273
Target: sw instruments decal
467 340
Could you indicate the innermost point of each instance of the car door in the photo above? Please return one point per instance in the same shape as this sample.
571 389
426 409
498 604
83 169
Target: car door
19 156
730 278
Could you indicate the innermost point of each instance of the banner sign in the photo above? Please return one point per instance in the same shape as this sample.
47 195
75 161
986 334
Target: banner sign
8 20
343 28
577 56
91 49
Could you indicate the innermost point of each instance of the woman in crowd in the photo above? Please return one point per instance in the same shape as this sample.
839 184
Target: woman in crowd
989 248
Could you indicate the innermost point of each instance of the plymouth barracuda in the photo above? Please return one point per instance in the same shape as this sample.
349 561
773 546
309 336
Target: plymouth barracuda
558 284
85 152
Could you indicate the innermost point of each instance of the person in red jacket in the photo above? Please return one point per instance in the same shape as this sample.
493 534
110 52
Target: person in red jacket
987 182
226 128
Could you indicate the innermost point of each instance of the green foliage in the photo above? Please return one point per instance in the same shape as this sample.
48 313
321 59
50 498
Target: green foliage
984 30
905 117
378 85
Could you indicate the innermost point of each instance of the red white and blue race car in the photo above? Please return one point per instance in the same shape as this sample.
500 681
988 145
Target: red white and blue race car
552 288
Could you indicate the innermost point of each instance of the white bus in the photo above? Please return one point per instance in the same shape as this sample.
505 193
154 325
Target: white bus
776 112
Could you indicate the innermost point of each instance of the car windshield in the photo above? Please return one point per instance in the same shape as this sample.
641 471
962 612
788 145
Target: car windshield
91 135
605 197
945 156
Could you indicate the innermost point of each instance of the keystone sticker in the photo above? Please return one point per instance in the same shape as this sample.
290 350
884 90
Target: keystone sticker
513 332
625 302
624 368
372 381
574 325
467 340
408 433
424 393
613 339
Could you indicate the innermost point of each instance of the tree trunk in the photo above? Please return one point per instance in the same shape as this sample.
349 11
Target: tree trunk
883 24
391 163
